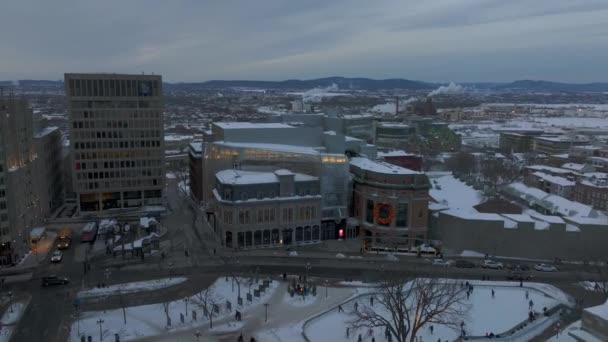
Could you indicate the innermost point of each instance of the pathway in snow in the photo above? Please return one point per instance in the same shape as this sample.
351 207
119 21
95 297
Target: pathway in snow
11 317
125 288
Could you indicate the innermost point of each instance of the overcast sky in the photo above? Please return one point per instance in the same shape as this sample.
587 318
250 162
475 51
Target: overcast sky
197 40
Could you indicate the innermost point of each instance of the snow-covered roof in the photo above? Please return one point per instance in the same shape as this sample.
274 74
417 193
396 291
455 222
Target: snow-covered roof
549 169
393 125
273 147
561 138
554 179
599 310
553 203
197 147
250 125
380 167
239 177
397 153
46 131
452 192
574 167
177 137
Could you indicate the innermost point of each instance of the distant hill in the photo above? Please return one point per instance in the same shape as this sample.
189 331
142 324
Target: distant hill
546 86
355 83
344 83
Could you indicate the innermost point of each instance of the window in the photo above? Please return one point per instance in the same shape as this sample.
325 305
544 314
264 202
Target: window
257 238
369 212
402 215
299 234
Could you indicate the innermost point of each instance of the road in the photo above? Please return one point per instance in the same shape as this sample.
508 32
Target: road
51 310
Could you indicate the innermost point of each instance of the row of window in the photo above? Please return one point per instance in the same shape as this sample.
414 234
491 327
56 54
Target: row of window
116 105
267 215
89 124
117 174
116 144
4 231
119 164
128 154
262 194
119 184
273 237
143 133
79 87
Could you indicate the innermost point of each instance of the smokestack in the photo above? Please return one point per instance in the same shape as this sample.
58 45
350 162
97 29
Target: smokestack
396 105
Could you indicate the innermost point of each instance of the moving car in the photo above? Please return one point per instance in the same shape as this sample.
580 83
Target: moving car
54 280
57 256
442 262
495 265
545 268
63 242
463 264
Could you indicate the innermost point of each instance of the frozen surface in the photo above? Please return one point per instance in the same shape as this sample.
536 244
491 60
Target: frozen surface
454 193
150 320
139 286
508 308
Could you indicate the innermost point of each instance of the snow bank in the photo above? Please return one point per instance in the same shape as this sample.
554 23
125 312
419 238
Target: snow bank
139 286
10 319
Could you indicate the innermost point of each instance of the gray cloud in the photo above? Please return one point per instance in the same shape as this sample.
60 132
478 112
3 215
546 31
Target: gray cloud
185 40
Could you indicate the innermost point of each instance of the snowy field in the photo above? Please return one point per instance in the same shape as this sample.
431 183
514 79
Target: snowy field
10 319
508 308
150 320
139 286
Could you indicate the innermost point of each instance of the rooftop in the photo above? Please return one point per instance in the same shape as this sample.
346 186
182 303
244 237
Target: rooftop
239 177
380 167
46 131
250 125
397 153
273 147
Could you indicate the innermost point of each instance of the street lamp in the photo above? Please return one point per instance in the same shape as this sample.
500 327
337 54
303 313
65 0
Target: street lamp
10 299
100 322
326 281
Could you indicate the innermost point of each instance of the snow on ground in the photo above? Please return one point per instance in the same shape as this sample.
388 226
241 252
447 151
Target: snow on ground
299 301
592 285
454 193
170 175
184 187
487 314
150 320
139 286
10 318
575 328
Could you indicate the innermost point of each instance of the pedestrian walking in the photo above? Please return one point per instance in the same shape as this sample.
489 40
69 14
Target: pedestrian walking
493 293
240 339
373 339
370 332
530 304
360 339
431 328
340 308
371 300
521 283
468 294
356 306
347 332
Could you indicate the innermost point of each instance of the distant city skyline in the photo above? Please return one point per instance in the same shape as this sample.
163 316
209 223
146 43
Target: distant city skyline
433 41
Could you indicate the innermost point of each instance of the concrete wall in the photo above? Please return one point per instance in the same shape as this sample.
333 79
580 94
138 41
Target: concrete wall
490 236
301 136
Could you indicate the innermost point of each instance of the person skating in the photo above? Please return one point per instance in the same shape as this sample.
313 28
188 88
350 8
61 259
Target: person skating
340 308
530 304
493 293
347 332
527 295
240 339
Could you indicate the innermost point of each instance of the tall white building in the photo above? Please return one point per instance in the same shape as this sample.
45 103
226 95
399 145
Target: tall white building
116 140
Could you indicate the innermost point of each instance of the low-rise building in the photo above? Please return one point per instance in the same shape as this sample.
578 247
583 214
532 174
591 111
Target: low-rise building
401 158
267 209
600 163
593 192
389 205
517 140
556 144
391 134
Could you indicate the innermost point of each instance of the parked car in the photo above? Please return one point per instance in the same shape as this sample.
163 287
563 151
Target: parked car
489 263
442 262
545 268
57 256
463 264
518 275
54 280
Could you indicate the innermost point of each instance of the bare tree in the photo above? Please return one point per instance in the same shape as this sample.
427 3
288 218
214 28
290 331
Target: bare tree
206 299
166 304
405 307
461 163
232 263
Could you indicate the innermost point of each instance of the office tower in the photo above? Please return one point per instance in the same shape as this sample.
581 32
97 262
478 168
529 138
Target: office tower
116 139
20 197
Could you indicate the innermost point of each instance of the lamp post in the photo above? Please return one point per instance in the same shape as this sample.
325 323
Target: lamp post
10 299
266 312
100 322
326 281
